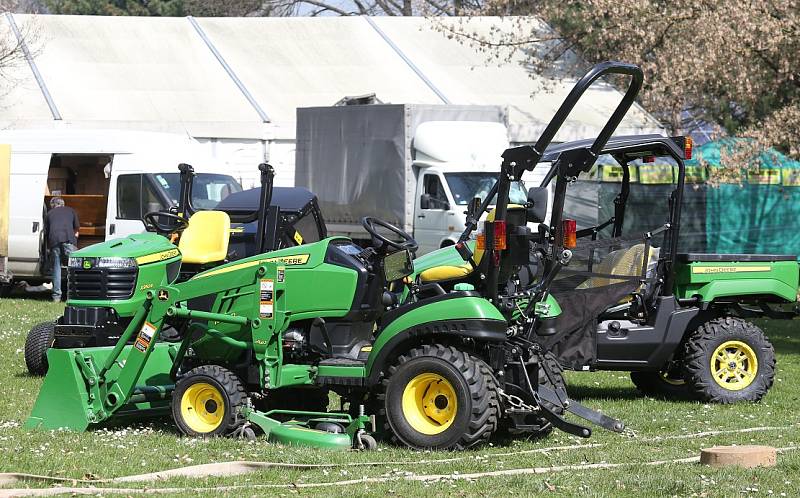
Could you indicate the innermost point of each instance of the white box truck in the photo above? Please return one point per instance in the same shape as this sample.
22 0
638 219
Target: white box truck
110 177
415 166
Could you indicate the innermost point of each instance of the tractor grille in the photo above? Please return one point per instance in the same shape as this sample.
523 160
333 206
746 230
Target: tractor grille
102 283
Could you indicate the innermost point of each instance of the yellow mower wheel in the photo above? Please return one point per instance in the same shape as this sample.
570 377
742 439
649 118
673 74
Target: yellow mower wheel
207 400
439 397
429 403
202 407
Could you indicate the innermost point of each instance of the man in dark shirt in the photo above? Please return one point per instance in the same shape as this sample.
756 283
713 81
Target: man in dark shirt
62 237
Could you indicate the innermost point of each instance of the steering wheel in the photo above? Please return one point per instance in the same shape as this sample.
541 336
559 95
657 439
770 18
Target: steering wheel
152 219
369 223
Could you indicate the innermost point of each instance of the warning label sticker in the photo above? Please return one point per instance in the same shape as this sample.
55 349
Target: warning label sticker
145 336
265 298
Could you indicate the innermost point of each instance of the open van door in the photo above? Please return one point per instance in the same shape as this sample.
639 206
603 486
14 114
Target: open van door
26 209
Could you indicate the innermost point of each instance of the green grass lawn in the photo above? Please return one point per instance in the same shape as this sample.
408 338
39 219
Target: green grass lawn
656 425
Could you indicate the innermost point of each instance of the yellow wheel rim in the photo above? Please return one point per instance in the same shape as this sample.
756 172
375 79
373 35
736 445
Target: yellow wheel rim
202 407
673 381
734 365
429 403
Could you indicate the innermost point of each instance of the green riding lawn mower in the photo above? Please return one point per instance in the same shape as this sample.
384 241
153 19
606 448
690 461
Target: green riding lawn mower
259 342
243 224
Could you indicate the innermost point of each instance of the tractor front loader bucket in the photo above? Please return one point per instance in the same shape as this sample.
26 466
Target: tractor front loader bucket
67 398
86 386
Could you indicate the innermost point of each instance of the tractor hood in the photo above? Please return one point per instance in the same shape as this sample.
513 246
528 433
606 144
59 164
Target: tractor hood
144 247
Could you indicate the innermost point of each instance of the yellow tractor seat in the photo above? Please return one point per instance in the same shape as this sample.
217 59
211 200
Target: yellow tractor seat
447 272
206 238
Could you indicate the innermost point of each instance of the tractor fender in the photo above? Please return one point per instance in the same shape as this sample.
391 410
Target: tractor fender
463 315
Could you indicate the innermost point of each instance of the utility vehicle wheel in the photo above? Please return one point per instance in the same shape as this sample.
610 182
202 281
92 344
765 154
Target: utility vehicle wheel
40 339
728 360
207 400
668 383
367 443
439 397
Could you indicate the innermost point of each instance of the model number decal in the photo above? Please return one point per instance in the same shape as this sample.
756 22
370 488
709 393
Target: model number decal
728 269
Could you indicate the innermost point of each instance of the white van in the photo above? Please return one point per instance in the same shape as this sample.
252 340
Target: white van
110 177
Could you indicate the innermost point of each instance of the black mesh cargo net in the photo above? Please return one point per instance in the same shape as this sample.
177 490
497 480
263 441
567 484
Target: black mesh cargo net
602 274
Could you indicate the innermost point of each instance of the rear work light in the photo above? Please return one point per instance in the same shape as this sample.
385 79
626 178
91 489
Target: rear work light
500 242
688 145
570 231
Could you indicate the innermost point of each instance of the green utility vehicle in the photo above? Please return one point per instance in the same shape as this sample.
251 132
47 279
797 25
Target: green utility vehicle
256 221
619 295
261 340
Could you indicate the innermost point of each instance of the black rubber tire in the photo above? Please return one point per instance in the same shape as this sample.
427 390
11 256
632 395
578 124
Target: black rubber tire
654 384
368 443
40 339
475 388
702 343
230 389
5 290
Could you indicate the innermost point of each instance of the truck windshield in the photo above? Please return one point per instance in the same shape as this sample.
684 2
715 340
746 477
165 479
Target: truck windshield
465 186
208 189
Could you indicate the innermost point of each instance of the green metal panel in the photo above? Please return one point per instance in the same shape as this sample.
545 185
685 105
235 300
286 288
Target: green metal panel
452 309
712 280
334 371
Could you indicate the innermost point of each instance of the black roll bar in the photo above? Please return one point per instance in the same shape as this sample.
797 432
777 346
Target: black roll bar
264 201
517 160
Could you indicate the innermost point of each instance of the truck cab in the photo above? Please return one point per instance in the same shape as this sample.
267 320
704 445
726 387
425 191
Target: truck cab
455 162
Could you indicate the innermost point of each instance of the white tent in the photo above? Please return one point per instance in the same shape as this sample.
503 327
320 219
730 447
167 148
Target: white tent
235 83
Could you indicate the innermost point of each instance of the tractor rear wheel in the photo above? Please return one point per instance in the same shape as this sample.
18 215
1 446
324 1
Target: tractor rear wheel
207 400
439 397
40 339
668 382
728 360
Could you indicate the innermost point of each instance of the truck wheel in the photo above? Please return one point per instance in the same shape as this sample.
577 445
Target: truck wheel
440 397
207 400
727 360
40 339
668 383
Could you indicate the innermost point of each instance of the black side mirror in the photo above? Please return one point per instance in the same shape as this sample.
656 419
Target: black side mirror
537 197
473 207
425 201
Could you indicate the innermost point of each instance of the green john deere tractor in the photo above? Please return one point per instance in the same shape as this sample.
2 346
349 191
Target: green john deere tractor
257 220
260 341
618 294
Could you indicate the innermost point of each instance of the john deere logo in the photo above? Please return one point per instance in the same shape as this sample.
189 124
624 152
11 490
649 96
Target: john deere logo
87 264
163 295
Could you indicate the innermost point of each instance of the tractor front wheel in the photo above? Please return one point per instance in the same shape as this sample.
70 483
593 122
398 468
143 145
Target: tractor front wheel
441 398
207 400
40 339
728 360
